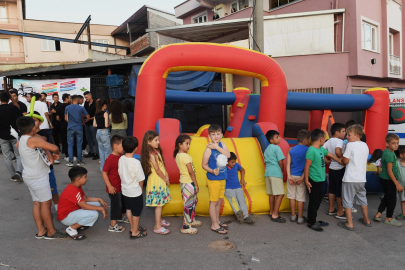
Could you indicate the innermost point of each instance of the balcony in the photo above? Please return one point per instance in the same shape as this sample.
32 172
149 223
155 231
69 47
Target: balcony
395 65
141 46
11 57
8 23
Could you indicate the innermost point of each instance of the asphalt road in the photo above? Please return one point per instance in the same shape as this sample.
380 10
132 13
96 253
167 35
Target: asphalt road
277 246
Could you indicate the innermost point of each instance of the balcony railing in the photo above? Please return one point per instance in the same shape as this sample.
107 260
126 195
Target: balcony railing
395 65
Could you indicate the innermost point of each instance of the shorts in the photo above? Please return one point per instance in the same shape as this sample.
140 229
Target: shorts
335 182
82 217
401 196
41 194
216 189
52 183
274 185
135 204
297 192
117 206
353 192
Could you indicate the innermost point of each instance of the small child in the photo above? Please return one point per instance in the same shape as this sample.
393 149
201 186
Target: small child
35 155
234 191
354 180
401 181
389 182
273 157
296 190
214 162
188 183
375 159
157 190
336 171
76 210
132 177
112 180
314 173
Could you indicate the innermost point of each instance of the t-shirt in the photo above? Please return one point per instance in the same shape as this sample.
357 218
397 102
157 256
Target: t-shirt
401 174
55 107
297 154
331 146
182 159
232 182
68 201
91 110
22 108
356 169
272 156
42 108
216 162
388 157
60 111
317 168
74 113
111 167
122 125
8 117
131 173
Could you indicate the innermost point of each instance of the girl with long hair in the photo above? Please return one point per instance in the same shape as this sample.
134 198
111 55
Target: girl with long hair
157 190
118 119
103 132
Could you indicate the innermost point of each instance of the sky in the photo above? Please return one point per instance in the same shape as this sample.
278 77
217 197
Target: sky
111 12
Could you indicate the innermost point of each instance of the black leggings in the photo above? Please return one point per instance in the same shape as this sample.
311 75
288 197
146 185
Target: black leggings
390 197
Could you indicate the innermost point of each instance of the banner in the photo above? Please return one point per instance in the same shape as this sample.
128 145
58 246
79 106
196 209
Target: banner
74 86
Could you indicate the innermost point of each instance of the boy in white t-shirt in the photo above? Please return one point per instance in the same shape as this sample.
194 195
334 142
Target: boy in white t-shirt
132 177
336 171
354 180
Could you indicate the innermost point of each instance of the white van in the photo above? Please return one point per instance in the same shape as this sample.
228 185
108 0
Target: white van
397 114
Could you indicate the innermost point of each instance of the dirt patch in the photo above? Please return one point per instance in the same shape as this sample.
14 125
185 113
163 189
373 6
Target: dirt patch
221 246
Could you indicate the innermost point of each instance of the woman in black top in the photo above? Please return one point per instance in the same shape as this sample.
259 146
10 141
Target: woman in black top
103 132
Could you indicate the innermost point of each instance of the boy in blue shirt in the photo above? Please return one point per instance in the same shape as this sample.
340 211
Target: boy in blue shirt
214 161
273 157
233 190
296 190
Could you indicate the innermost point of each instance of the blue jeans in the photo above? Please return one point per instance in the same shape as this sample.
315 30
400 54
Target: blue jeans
71 134
91 138
81 216
104 145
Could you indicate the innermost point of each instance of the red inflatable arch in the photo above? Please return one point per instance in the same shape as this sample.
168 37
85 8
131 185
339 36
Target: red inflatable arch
151 86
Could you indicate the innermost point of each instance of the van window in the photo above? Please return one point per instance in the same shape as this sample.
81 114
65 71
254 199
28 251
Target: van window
397 114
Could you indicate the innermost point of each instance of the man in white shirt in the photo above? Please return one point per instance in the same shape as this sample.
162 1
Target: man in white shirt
42 108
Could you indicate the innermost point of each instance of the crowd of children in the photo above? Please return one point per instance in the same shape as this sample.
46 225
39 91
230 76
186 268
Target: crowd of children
124 177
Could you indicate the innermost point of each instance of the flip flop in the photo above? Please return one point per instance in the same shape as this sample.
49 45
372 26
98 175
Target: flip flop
164 223
343 225
139 229
162 230
139 235
41 236
223 225
278 219
364 223
378 219
220 229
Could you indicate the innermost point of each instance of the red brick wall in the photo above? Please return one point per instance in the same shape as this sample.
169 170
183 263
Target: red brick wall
140 44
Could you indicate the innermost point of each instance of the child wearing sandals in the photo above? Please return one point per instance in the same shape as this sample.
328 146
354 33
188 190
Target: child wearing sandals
132 178
157 190
76 210
112 181
188 183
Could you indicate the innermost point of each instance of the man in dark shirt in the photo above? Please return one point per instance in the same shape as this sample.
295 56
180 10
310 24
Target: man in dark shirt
60 118
20 105
55 123
8 117
91 132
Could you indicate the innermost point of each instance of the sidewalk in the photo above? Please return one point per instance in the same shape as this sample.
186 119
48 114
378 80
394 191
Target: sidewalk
284 246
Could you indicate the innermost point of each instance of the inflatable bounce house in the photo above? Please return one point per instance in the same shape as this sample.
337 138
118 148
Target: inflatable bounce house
252 115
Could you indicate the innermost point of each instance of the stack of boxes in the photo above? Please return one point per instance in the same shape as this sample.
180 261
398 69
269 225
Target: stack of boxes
115 84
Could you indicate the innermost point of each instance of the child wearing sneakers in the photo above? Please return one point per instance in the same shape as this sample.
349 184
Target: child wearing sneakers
234 191
296 190
354 179
36 158
314 173
112 180
76 210
336 171
401 181
214 161
132 177
389 182
273 157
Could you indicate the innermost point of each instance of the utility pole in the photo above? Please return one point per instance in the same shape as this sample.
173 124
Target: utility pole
258 33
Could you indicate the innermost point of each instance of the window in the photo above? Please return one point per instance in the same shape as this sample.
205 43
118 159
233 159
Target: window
322 90
369 36
359 90
50 45
278 3
201 18
4 46
3 14
219 11
234 5
243 4
99 48
391 40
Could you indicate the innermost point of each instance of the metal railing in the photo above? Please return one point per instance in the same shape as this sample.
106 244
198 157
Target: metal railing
321 90
395 65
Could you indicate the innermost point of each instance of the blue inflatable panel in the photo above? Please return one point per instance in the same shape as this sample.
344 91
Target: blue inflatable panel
252 108
188 97
333 102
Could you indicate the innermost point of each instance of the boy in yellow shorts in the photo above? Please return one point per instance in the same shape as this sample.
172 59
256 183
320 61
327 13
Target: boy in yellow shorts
214 161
